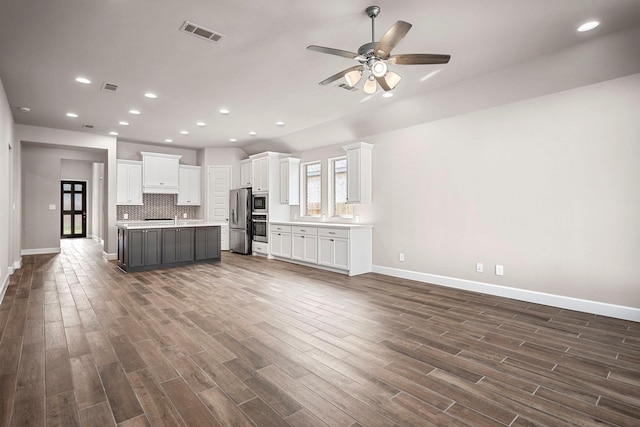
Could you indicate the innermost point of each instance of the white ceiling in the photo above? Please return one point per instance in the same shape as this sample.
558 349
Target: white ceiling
261 70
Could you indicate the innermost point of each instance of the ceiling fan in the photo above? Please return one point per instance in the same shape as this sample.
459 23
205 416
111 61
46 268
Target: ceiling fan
374 57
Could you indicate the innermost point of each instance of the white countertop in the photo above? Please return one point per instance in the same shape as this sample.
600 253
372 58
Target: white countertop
127 225
323 224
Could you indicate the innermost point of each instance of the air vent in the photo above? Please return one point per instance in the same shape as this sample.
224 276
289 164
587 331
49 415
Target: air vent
347 87
200 32
87 126
109 87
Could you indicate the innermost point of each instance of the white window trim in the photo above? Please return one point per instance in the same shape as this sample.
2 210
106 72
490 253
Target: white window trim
330 190
303 189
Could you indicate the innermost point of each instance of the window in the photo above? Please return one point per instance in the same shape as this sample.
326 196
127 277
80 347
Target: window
338 188
312 188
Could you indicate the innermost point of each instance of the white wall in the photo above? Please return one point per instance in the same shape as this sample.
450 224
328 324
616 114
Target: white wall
106 145
42 169
80 170
6 199
97 177
131 151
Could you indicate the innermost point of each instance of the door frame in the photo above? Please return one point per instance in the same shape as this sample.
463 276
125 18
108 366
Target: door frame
64 212
209 195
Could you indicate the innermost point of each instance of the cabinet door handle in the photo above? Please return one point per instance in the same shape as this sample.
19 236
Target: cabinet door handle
331 232
331 240
302 237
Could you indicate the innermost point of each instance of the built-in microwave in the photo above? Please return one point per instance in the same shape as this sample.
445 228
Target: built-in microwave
260 203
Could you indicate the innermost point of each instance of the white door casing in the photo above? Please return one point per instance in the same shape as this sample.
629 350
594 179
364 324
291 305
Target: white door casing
218 186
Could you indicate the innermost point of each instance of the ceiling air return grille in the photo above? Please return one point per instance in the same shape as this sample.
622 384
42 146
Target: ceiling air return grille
86 126
347 87
200 32
109 87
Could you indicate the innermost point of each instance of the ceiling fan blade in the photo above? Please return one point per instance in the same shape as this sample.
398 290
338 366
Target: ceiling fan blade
341 74
391 39
332 51
419 58
383 83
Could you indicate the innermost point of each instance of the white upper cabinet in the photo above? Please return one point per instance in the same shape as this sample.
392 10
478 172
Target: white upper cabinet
160 173
358 172
129 186
190 179
245 173
290 181
260 178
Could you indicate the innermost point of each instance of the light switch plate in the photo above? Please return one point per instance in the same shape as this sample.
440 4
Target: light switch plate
52 207
499 270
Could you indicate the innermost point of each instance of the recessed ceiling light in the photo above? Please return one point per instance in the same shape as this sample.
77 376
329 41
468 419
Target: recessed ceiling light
201 124
588 26
83 80
387 94
136 112
233 140
151 95
252 133
184 132
280 123
73 115
224 111
113 133
123 123
168 140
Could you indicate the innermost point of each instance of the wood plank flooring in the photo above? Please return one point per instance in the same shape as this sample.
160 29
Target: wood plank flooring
252 342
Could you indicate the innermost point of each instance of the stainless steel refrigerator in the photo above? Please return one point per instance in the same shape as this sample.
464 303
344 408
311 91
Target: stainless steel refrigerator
240 221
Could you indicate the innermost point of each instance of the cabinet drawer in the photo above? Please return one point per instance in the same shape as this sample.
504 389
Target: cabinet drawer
311 231
333 232
281 228
260 247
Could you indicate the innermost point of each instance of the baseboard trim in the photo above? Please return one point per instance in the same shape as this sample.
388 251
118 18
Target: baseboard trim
17 264
40 251
3 288
109 257
560 301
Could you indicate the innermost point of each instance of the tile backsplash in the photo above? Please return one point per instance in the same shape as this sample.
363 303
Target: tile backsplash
157 206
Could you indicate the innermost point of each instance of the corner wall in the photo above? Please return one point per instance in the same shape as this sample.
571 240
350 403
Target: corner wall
7 140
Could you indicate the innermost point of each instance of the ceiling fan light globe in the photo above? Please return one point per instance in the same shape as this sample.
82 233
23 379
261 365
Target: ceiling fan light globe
392 79
353 77
370 87
379 69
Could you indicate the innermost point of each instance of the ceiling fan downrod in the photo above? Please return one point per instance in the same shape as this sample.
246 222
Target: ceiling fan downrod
373 12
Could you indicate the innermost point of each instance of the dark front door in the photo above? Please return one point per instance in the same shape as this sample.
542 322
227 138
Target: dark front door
74 209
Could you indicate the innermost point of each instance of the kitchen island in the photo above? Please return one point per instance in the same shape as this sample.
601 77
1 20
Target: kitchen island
148 245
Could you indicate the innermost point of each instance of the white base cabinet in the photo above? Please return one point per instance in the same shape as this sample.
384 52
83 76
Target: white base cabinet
344 248
333 248
280 241
304 244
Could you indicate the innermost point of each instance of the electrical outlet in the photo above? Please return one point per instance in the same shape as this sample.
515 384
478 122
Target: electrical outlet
125 216
479 267
499 270
401 256
184 215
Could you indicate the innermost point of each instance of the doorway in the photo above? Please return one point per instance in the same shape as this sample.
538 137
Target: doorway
73 221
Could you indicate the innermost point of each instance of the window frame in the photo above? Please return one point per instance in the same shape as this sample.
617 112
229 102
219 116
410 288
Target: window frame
304 189
331 193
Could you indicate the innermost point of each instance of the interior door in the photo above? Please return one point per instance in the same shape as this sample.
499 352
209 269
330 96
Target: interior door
73 222
219 185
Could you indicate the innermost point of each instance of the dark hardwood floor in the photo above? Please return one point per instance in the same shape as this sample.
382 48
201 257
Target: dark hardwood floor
247 341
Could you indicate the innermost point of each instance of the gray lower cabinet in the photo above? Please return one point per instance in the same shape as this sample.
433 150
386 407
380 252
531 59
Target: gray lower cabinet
207 243
177 245
139 248
146 249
